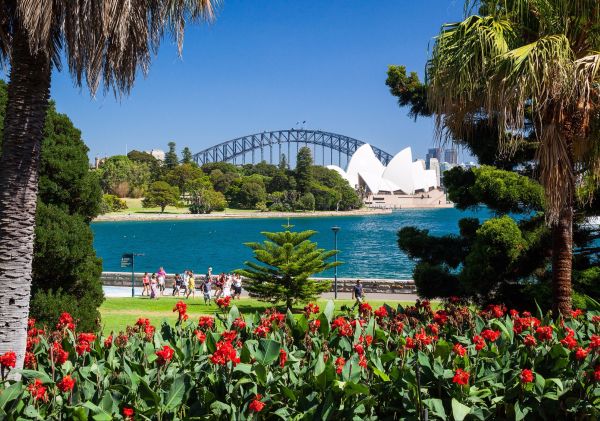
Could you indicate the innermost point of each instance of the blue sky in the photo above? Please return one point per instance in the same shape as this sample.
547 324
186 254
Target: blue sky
264 65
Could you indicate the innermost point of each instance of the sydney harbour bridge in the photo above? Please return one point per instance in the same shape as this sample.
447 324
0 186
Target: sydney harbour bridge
327 148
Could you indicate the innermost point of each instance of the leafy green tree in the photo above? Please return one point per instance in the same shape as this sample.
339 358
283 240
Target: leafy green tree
222 181
161 194
306 202
348 197
247 192
139 179
186 156
111 203
524 58
283 164
285 263
303 172
203 198
171 159
115 175
326 198
154 165
182 174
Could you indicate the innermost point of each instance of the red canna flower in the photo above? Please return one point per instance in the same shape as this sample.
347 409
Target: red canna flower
569 342
526 376
596 319
206 322
282 358
239 324
459 350
381 312
310 308
65 321
544 333
440 317
108 342
581 353
164 355
365 309
261 331
410 343
362 361
461 377
128 413
66 384
490 335
314 325
359 349
30 360
200 335
595 341
576 313
8 359
37 390
59 355
228 335
339 364
256 405
479 342
597 373
181 308
225 352
529 340
223 302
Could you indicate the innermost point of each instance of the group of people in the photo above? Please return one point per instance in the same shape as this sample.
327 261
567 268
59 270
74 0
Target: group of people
211 286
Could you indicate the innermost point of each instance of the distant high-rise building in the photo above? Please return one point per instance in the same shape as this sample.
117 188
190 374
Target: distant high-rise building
433 153
451 156
434 165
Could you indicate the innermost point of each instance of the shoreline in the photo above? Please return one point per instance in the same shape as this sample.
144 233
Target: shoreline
117 217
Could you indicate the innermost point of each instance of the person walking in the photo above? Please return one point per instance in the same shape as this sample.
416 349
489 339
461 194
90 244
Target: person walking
205 287
237 286
177 285
146 283
162 276
191 285
358 294
153 286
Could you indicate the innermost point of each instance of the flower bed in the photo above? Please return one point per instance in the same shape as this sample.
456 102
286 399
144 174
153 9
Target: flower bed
382 364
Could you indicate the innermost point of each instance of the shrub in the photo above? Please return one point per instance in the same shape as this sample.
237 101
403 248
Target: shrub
112 203
470 365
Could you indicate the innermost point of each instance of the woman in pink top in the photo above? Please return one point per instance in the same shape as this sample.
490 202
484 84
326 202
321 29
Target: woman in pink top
146 282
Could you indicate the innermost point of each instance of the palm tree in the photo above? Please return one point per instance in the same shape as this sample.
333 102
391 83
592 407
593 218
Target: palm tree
528 58
102 41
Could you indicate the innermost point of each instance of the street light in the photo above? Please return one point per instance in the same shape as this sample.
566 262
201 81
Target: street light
335 231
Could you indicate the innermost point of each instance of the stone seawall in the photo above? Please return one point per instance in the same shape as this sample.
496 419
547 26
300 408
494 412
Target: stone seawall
380 286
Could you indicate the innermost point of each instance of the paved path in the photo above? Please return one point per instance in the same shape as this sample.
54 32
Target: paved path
374 296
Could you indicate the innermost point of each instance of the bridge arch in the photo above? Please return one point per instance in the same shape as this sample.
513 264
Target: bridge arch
254 146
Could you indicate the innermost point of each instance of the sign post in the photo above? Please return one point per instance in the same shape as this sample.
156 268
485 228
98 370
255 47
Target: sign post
127 260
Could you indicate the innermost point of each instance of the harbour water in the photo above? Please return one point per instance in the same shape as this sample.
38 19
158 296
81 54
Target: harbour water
368 244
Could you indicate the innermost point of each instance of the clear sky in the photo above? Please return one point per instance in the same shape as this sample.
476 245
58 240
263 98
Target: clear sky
266 64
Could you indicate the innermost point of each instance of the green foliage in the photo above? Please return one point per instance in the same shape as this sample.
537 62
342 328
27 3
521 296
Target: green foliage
182 174
153 164
247 192
409 90
111 203
161 194
286 261
306 202
203 198
313 366
304 167
186 156
65 262
123 177
171 159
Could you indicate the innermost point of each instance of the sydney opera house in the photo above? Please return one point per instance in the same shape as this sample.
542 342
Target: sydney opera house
404 183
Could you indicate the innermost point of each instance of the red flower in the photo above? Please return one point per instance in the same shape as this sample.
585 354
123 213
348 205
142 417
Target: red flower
381 312
344 328
65 321
359 349
513 313
83 342
529 340
368 340
597 373
141 322
200 335
581 353
282 357
365 309
261 331
569 342
164 355
362 361
60 356
397 326
108 342
223 302
37 390
595 341
410 343
596 319
8 359
459 350
422 339
339 364
122 340
310 308
576 313
206 322
228 335
181 308
544 333
30 360
479 342
314 325
128 413
434 328
256 405
440 317
526 376
225 352
66 384
490 335
239 324
461 377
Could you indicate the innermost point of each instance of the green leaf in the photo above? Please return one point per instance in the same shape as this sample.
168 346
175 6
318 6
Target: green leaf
436 406
268 351
329 310
381 374
176 392
31 412
540 383
459 410
243 368
351 388
11 393
33 374
320 365
233 314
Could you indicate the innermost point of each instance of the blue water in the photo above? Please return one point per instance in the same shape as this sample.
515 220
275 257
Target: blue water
367 244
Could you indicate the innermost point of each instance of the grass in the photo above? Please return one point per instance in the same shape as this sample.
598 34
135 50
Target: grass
117 313
135 206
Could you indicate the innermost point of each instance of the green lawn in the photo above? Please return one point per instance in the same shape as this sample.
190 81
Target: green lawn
120 312
135 206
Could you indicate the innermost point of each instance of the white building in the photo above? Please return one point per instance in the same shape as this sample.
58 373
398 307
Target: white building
403 183
157 153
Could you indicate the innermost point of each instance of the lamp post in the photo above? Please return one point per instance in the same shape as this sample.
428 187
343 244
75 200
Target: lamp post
335 231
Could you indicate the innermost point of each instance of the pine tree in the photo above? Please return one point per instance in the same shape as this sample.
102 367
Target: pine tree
186 156
171 159
287 260
304 164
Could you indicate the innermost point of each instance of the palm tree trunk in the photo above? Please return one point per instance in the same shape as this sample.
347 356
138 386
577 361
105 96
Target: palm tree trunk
28 92
562 260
